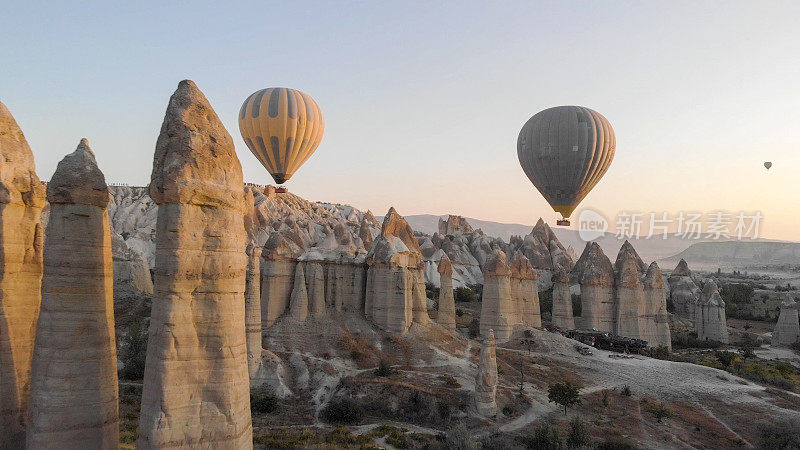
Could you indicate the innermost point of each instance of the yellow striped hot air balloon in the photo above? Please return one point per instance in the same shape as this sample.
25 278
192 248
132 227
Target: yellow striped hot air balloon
282 127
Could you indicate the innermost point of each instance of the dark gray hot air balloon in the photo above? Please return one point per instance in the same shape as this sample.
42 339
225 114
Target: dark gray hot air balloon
768 165
565 151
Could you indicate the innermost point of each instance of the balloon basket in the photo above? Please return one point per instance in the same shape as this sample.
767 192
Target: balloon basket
281 190
562 222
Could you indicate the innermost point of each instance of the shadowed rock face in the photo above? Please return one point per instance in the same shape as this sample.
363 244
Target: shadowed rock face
562 301
628 253
787 330
594 272
22 197
278 263
524 293
683 289
252 302
544 252
196 383
709 318
447 308
630 299
74 393
486 380
498 311
655 322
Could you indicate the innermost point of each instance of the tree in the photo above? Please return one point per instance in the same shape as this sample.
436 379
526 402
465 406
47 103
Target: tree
565 394
746 352
660 412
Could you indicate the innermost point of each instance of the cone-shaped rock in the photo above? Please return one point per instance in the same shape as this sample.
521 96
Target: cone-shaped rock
656 320
486 380
524 292
395 294
709 317
252 305
630 297
683 289
498 311
787 330
447 306
562 301
22 197
299 302
278 262
74 396
196 383
595 274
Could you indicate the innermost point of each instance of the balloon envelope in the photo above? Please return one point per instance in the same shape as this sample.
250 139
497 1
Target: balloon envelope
282 127
565 151
767 165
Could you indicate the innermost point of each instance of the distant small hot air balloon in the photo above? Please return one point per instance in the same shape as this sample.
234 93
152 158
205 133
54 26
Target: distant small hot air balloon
282 127
767 165
565 151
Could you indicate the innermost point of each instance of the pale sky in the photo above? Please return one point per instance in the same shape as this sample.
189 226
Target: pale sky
423 101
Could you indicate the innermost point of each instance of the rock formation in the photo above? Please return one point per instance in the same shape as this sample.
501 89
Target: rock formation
709 317
252 308
196 383
486 380
74 397
278 262
562 301
22 197
683 289
315 280
545 253
630 298
299 302
447 307
787 330
656 319
453 225
524 293
595 274
498 310
133 286
394 274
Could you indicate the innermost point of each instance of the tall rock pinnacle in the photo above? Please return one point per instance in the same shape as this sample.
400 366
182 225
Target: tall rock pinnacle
196 384
74 395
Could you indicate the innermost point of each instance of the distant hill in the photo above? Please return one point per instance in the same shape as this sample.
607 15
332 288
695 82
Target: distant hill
739 254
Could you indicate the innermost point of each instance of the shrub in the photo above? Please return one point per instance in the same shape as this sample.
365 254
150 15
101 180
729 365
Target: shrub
133 352
460 438
450 382
725 358
577 306
626 391
546 301
544 437
431 291
565 394
779 435
605 397
784 369
464 294
262 401
660 412
660 352
578 435
737 293
343 410
615 443
459 312
384 368
474 328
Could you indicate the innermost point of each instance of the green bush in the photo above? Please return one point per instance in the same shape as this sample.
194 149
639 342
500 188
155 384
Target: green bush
546 301
459 312
626 391
133 352
464 294
459 437
343 410
737 293
779 435
262 402
578 435
544 437
565 394
474 328
384 368
577 306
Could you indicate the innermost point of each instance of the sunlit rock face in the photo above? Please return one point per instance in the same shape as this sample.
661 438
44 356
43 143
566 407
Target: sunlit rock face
74 396
709 317
196 382
545 253
595 274
498 310
524 293
395 289
447 308
630 299
22 197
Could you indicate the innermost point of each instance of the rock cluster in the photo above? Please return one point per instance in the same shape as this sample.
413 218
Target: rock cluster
447 308
524 292
510 298
544 251
683 289
627 298
74 396
196 384
395 291
787 330
709 316
22 197
453 225
486 380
